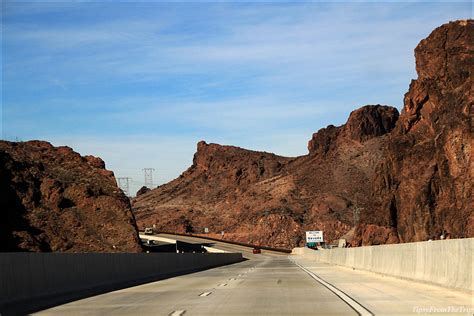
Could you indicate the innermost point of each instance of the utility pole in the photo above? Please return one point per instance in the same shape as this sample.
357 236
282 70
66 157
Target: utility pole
149 177
123 184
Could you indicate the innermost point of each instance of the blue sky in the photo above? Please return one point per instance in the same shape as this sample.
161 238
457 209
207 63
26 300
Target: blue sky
140 83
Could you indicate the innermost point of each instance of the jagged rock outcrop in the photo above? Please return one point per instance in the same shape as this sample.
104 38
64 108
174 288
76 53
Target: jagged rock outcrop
424 185
52 199
370 121
363 124
249 166
323 139
379 178
142 190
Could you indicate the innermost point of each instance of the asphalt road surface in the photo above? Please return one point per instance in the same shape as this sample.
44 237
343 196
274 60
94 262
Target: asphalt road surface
266 284
273 283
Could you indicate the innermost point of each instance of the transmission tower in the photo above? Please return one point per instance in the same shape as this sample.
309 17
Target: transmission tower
123 183
148 177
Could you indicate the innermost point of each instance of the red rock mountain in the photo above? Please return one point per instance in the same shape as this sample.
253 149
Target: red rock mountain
424 184
262 198
379 178
52 199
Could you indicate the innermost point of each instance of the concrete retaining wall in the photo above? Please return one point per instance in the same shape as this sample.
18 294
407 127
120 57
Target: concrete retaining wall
447 263
25 277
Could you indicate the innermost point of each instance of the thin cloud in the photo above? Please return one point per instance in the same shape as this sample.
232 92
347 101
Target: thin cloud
263 76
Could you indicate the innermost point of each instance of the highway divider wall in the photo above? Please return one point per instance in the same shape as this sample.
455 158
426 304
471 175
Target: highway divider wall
448 263
26 278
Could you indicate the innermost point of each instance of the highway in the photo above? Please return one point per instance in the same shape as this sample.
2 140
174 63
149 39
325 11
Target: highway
267 285
270 283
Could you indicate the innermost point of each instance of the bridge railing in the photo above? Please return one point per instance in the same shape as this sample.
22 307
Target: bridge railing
283 250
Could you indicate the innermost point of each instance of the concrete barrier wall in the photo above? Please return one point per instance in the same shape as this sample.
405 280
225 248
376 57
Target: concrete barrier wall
447 263
26 276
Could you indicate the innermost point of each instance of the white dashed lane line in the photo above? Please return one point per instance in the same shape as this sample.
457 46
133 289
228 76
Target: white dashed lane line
205 294
178 313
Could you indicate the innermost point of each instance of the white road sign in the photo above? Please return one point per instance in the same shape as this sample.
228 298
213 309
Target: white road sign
314 236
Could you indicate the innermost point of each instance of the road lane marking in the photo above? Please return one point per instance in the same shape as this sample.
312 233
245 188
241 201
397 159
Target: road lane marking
232 279
178 313
205 294
222 284
361 310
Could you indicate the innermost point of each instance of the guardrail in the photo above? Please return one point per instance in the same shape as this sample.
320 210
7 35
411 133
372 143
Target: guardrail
227 241
448 263
33 281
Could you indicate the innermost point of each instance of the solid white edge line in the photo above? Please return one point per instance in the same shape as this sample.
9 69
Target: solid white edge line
361 310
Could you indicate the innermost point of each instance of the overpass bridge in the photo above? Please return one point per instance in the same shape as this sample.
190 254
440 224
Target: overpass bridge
211 245
274 283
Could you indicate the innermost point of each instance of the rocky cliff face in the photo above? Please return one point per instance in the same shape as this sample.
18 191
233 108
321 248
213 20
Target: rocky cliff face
379 178
424 184
52 199
262 198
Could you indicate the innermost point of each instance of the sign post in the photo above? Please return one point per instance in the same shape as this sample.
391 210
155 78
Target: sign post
313 237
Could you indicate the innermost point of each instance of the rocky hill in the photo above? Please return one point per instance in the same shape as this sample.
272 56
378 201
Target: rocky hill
266 199
52 199
424 184
379 178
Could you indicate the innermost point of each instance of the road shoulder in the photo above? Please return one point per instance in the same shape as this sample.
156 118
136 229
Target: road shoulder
388 295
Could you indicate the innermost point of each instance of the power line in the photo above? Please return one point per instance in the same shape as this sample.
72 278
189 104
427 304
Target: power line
148 177
123 184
